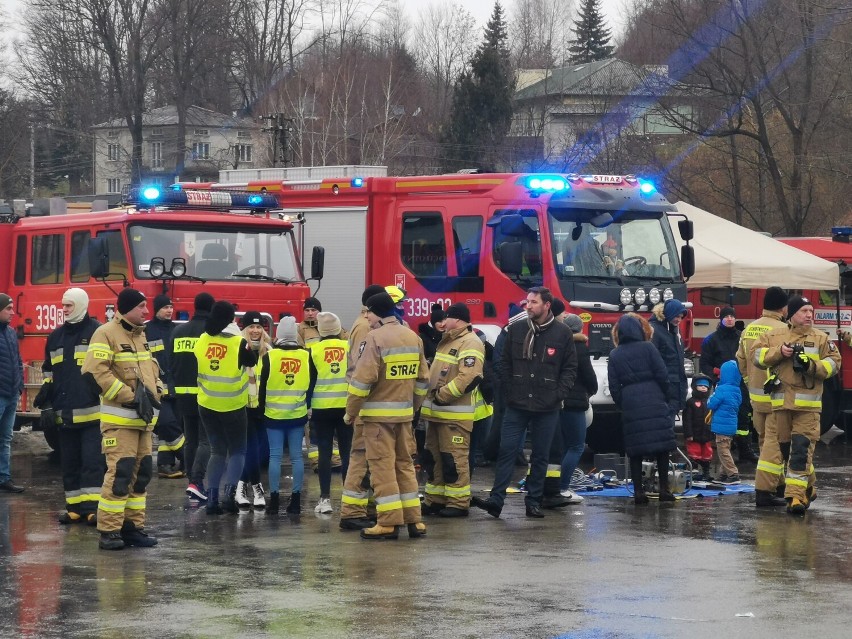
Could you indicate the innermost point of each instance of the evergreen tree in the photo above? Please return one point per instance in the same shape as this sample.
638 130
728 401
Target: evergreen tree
592 36
481 112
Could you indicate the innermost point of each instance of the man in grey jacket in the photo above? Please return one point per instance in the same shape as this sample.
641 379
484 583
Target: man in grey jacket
11 385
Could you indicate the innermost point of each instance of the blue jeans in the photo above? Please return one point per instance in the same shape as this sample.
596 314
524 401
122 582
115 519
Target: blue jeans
515 423
8 406
293 437
573 426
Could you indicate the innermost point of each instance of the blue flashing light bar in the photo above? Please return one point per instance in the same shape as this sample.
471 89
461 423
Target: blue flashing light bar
841 230
549 183
153 196
357 182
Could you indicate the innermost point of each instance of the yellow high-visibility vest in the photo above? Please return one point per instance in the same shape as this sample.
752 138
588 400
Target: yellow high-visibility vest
287 384
329 357
222 382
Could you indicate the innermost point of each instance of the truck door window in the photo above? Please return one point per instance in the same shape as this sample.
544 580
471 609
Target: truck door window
117 254
424 249
80 256
48 260
528 235
467 238
722 297
21 261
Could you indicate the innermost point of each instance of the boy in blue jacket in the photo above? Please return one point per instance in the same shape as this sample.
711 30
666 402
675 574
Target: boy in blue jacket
725 404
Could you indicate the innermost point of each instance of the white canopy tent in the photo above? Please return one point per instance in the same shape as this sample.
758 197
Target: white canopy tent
727 254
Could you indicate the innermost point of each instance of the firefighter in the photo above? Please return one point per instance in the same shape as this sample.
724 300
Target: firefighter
801 357
308 333
356 485
77 407
449 409
120 365
169 431
388 386
769 476
184 376
223 357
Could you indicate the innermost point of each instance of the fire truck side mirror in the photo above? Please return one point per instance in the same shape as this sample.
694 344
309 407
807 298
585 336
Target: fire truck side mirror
511 258
317 263
687 260
686 229
98 257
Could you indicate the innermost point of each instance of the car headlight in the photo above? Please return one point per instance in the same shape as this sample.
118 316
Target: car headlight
625 297
668 294
157 267
654 296
640 296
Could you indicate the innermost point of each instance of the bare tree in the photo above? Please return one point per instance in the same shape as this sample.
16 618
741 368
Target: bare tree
445 39
129 33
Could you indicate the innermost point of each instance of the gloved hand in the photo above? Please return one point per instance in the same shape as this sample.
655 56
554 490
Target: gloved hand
437 401
47 421
771 383
142 403
347 419
804 360
153 399
717 372
45 396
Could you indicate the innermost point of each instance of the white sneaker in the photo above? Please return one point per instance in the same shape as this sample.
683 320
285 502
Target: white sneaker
324 507
571 496
242 498
259 499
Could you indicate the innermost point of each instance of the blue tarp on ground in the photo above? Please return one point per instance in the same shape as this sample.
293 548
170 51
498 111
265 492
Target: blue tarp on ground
624 491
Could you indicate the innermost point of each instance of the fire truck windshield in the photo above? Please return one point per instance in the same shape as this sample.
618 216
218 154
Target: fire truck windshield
216 253
634 245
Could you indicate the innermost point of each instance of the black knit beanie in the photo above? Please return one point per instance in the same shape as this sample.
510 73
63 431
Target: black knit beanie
128 299
372 289
221 315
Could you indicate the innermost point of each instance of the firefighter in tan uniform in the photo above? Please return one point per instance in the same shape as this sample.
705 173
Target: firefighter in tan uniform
118 361
356 486
449 410
774 309
388 386
801 357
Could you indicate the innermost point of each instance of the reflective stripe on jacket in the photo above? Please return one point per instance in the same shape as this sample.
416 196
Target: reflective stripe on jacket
329 357
457 366
286 388
222 382
754 376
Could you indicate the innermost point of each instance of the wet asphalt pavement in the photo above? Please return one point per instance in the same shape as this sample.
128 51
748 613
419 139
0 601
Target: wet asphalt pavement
605 568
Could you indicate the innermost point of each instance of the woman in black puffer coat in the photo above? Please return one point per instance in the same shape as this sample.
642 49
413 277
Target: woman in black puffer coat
640 388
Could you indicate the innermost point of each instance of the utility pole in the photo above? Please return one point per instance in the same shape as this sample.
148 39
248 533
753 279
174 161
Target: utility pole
32 162
280 129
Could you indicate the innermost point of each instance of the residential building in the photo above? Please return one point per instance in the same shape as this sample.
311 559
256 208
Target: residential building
214 141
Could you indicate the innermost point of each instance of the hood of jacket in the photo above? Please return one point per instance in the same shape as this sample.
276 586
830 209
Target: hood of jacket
729 374
630 330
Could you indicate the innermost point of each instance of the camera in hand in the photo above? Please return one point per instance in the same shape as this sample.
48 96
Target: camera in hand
799 365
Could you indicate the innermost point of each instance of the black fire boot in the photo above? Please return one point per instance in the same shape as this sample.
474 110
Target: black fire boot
273 504
212 507
229 505
294 506
134 536
746 454
765 499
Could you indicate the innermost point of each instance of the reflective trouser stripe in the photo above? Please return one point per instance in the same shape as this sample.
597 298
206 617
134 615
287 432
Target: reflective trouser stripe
410 500
769 467
112 505
435 490
554 470
742 433
389 447
83 495
175 444
136 503
457 491
83 415
449 446
354 499
390 502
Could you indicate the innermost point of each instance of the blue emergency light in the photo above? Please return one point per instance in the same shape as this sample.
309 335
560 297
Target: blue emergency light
646 187
358 182
151 194
549 183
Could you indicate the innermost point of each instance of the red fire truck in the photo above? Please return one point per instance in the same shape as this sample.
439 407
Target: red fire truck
601 242
170 242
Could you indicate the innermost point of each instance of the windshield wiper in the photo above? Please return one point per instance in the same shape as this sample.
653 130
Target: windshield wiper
265 278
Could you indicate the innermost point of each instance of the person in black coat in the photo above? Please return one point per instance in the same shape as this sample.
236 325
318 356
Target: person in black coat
432 331
641 389
696 430
665 320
